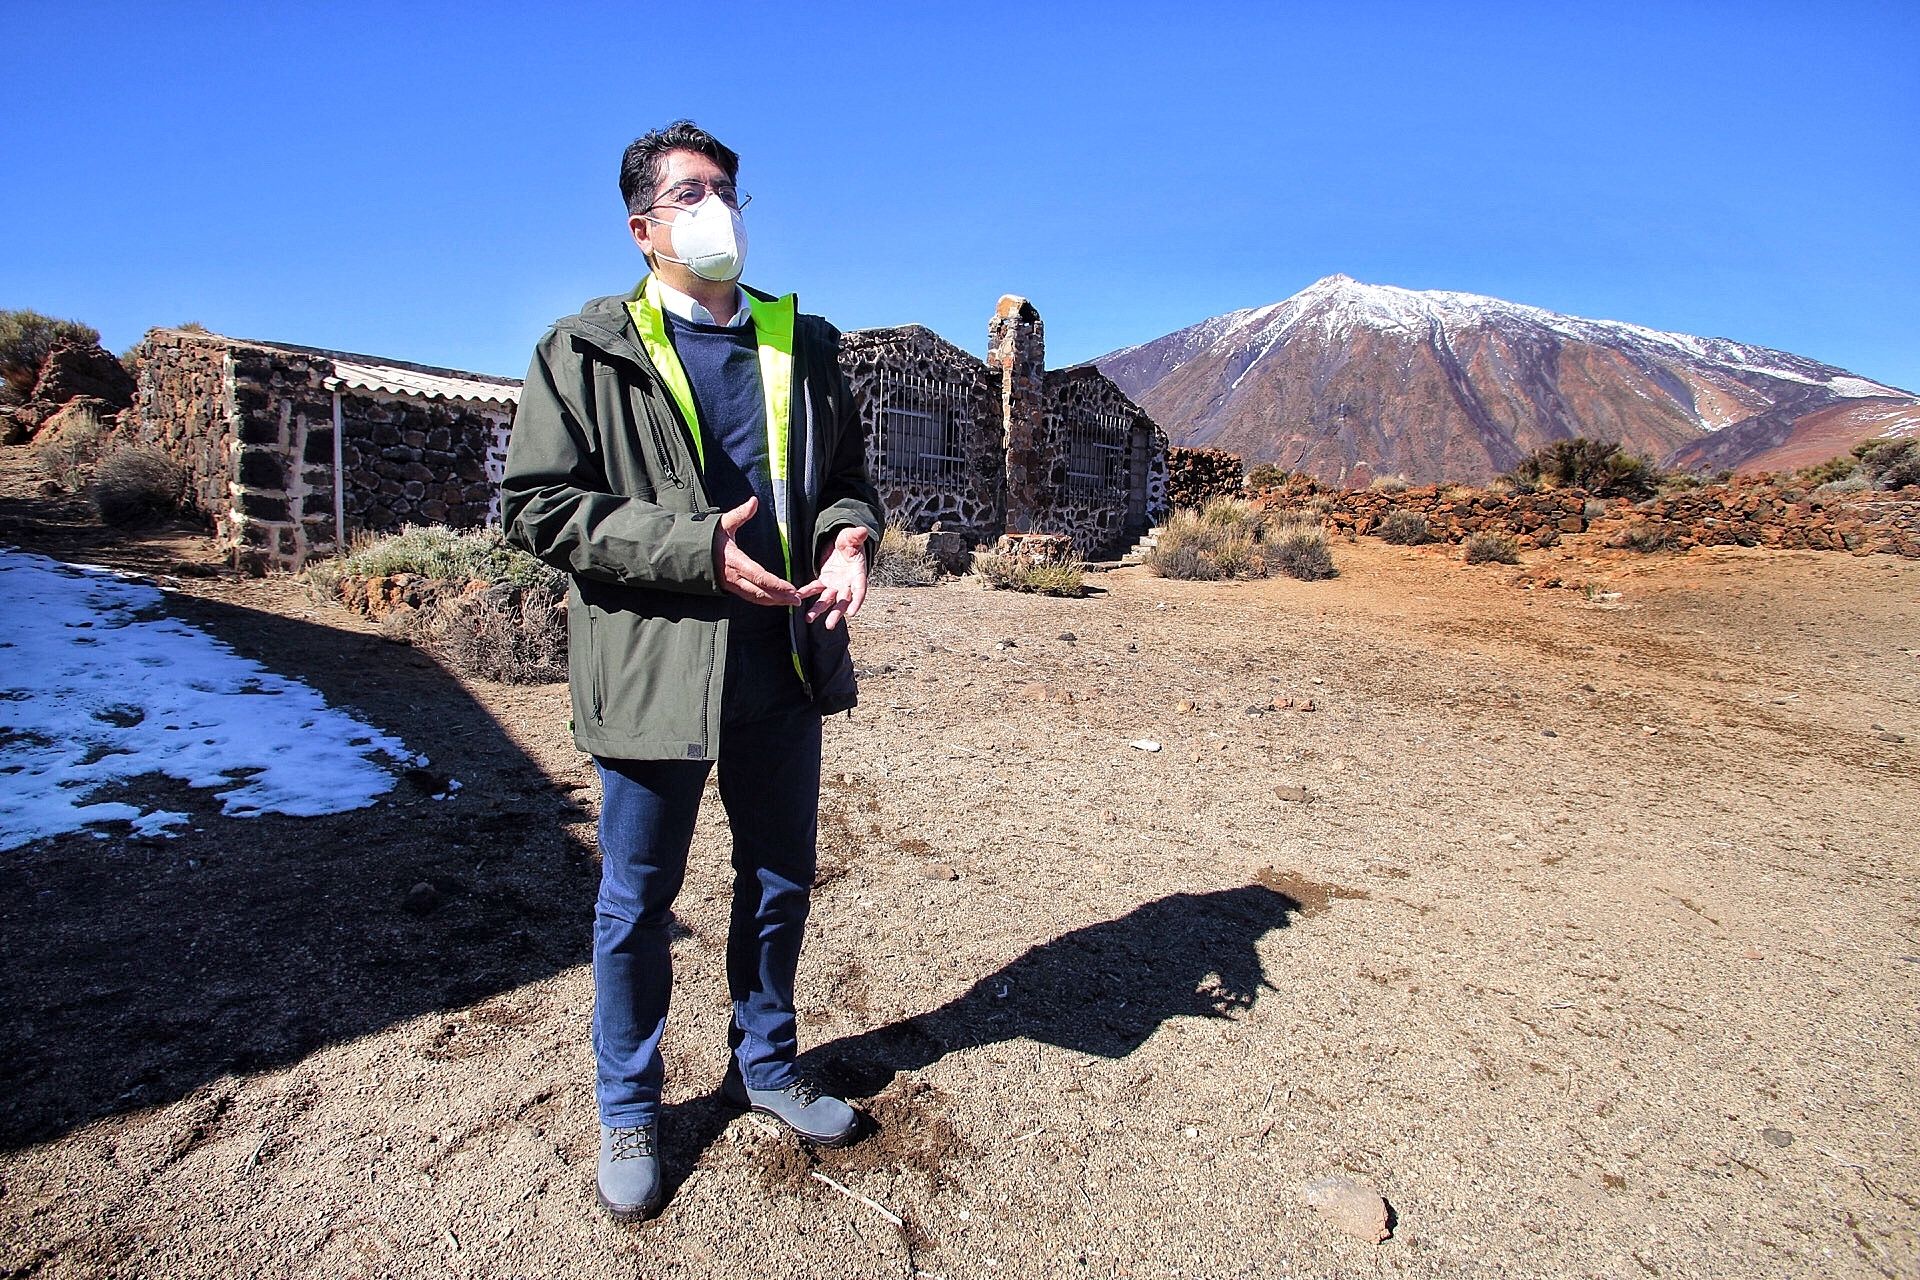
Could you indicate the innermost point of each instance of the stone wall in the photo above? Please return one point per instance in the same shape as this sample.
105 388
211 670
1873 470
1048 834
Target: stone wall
1755 511
411 461
1196 475
1104 496
1453 512
252 424
921 368
184 407
1760 512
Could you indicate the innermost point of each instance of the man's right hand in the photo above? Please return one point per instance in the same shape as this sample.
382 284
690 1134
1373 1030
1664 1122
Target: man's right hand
740 573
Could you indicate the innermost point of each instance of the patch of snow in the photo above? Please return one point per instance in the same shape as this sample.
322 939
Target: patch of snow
98 687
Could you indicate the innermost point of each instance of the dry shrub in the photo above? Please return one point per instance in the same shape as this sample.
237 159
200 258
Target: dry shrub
506 634
1224 539
136 485
69 445
1389 484
1404 528
1050 576
1299 550
1491 547
902 561
1229 538
1648 536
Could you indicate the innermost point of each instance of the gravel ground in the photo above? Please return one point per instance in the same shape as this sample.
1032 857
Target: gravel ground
1589 939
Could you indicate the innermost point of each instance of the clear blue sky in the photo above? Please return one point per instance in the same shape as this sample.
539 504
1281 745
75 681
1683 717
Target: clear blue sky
437 183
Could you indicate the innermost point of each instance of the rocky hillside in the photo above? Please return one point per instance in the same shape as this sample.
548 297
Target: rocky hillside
1347 381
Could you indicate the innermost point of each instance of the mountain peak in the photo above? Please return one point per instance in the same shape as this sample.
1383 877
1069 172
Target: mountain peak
1348 379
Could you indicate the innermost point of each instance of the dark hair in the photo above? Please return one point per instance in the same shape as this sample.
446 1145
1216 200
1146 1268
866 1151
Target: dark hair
640 166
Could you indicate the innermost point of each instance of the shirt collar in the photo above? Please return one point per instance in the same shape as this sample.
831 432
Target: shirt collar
684 307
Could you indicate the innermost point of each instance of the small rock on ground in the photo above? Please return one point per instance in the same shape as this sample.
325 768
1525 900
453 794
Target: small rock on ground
1349 1205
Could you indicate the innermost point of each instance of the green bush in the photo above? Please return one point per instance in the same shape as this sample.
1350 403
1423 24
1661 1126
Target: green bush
435 551
1404 528
1891 464
25 339
902 561
1601 467
1048 577
136 485
1827 472
1491 547
1266 475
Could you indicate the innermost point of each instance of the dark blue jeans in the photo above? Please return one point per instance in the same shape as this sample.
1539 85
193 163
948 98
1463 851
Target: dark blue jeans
770 785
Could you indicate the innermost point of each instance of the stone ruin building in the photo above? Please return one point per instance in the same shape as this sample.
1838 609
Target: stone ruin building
293 450
264 430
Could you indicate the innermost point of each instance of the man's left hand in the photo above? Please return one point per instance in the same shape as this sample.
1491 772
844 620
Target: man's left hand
841 588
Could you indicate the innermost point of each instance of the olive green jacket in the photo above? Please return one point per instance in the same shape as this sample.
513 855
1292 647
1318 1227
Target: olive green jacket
603 482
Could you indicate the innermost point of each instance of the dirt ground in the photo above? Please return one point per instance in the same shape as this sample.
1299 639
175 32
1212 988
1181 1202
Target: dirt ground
1594 945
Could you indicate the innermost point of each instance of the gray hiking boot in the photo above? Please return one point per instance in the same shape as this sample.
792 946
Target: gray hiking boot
801 1107
630 1185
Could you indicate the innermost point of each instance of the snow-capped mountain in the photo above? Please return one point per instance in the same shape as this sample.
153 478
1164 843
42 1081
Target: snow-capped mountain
1349 380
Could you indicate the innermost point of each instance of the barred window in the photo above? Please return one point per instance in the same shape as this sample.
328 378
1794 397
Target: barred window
1096 451
921 420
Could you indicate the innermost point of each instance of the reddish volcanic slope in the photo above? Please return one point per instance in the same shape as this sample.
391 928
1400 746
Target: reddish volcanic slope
1348 381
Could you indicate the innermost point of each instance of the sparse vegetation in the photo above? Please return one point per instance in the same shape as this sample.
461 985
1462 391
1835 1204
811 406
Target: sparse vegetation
902 561
1299 550
1492 547
68 448
502 634
25 339
1232 538
514 632
1601 467
1829 472
1890 464
1267 475
435 551
1052 576
1389 484
1220 540
1404 528
135 485
1647 536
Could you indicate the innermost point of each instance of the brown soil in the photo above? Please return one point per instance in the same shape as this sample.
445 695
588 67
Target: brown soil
1594 946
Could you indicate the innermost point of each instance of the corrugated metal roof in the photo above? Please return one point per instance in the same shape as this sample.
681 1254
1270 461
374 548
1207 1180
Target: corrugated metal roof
407 380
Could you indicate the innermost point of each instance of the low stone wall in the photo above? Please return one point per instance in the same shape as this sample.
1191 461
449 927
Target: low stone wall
1453 513
1758 512
1196 475
1752 512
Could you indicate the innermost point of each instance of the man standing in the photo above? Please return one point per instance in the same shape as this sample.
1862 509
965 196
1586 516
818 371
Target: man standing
687 453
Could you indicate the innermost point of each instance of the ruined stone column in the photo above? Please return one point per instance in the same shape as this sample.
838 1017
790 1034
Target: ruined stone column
1017 349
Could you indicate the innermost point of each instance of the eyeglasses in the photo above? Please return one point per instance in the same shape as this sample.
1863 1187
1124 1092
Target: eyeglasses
687 194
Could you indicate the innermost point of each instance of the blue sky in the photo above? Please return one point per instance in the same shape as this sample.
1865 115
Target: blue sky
437 183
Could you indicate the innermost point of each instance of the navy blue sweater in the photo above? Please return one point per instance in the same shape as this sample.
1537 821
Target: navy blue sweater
723 369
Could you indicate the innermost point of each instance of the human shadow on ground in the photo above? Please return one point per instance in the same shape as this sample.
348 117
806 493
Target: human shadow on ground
140 968
1101 990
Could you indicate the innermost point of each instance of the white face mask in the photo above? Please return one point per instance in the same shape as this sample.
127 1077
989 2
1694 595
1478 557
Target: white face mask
712 238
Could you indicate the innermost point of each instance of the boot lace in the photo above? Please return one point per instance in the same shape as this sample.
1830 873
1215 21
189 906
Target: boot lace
631 1144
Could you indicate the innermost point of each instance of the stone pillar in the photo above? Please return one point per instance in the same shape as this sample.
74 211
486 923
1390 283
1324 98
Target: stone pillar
1017 349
